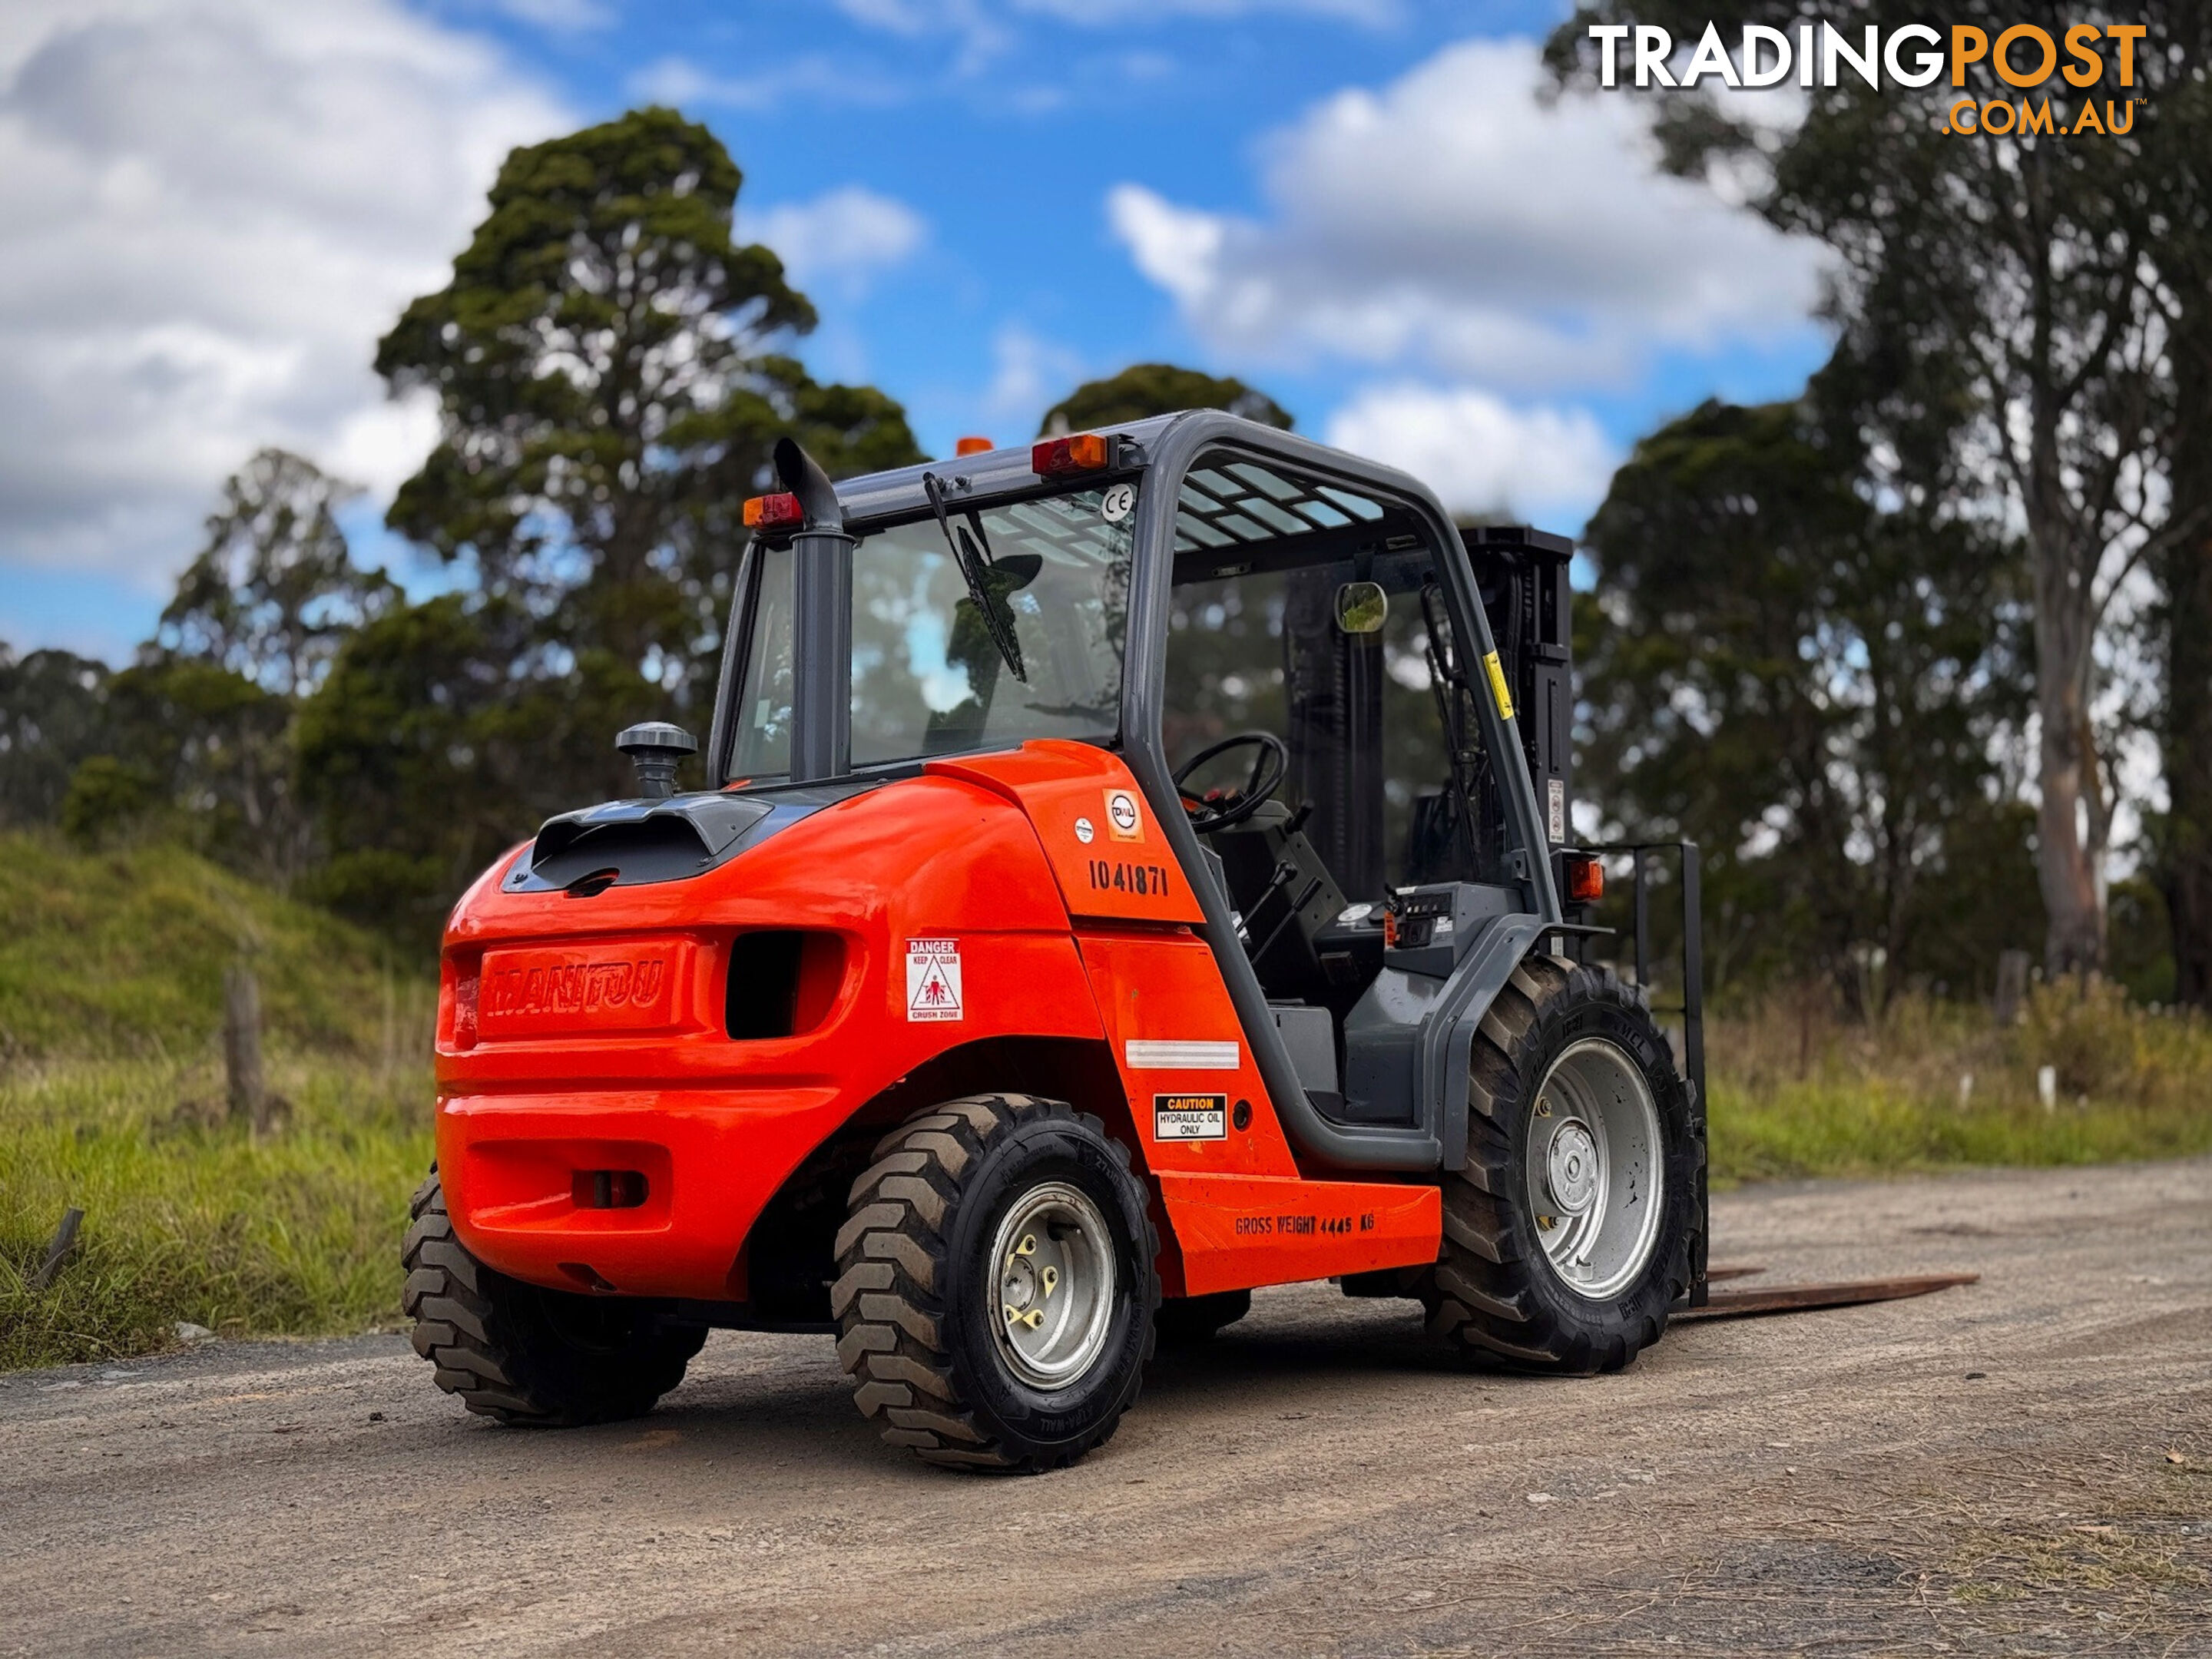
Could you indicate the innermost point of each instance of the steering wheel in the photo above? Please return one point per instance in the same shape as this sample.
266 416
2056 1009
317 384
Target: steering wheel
1220 810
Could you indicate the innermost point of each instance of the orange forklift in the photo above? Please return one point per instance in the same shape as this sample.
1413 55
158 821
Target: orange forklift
1127 871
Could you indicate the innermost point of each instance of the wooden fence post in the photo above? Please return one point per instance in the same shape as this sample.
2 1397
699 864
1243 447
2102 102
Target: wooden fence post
2012 985
241 1047
64 1238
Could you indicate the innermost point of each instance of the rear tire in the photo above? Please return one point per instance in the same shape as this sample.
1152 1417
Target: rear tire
1186 1321
520 1353
1558 1256
996 1285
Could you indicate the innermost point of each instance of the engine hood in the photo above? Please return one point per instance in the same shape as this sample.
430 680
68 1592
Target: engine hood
639 843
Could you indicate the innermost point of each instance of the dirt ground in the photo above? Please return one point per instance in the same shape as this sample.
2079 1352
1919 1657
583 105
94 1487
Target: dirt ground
2024 1465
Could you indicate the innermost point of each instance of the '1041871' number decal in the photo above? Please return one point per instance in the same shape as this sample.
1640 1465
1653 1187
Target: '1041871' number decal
1120 876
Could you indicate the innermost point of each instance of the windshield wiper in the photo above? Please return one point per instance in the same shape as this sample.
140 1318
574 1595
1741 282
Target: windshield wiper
988 582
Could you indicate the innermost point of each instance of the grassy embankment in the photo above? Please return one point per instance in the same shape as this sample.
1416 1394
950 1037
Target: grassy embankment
111 1090
1936 1086
111 1100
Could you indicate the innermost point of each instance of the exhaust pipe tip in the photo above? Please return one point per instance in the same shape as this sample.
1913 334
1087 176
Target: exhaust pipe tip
802 475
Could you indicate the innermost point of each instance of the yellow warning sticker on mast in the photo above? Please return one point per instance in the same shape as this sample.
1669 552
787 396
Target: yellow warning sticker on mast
1497 688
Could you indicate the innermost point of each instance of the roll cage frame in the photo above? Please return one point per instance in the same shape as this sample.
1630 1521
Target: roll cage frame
1159 453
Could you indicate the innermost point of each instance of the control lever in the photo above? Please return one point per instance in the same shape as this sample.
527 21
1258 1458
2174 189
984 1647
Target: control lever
1281 878
1289 916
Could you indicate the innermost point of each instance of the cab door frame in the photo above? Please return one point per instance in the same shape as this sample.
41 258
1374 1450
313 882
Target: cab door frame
1435 1140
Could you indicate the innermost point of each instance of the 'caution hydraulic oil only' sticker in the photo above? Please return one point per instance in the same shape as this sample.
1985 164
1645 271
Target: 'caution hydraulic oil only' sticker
1498 686
1190 1117
933 979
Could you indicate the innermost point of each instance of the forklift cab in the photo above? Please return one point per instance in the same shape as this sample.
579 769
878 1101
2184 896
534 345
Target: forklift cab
1292 652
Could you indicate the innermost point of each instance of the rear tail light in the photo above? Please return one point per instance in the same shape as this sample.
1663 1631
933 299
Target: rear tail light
462 977
774 512
1085 452
1585 877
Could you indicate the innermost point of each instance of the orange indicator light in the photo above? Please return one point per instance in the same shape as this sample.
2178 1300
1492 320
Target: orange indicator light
773 512
1085 452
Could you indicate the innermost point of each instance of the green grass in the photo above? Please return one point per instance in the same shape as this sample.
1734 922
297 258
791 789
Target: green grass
110 1101
295 1234
1871 1128
1793 1095
123 953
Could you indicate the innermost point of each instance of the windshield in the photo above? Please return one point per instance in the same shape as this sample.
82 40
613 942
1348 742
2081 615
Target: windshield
928 676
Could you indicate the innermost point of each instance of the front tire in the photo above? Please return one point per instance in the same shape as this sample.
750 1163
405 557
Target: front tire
996 1285
519 1353
1569 1234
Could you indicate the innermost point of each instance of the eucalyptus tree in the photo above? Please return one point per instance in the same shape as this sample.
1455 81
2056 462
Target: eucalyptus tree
2016 268
274 587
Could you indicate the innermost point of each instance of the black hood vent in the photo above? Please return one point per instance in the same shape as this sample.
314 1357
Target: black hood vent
645 842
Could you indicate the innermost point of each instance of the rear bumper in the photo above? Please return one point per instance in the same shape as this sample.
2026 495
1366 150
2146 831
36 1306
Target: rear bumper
515 1167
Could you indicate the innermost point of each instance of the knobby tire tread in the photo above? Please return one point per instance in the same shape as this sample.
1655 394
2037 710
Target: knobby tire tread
466 1325
892 1265
1479 1296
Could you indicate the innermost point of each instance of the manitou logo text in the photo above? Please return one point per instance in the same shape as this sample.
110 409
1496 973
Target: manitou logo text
2089 66
577 988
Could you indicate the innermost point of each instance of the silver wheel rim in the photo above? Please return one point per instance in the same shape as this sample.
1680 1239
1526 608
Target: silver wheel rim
1050 1281
1594 1172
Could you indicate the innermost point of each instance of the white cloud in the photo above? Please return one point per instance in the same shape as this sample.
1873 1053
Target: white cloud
844 237
985 32
909 17
812 78
1481 454
974 18
1458 222
976 25
677 82
1030 375
213 214
1374 13
560 16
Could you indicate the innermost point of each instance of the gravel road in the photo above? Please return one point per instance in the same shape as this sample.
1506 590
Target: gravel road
2024 1465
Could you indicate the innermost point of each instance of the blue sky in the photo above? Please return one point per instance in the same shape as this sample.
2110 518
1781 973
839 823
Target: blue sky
1363 206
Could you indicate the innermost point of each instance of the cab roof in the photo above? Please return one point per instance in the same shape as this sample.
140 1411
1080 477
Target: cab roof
989 472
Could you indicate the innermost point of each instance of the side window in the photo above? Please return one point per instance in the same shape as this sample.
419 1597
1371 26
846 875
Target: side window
1372 722
1434 814
1224 663
1383 737
762 744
